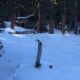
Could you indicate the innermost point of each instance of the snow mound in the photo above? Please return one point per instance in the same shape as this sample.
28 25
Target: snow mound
16 29
62 52
20 29
9 30
7 23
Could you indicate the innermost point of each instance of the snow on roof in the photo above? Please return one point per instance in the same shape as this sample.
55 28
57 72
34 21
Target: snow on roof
25 17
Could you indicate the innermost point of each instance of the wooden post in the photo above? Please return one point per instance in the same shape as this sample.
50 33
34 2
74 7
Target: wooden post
38 64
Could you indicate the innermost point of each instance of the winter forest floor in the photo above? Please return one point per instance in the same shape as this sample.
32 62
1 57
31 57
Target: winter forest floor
60 51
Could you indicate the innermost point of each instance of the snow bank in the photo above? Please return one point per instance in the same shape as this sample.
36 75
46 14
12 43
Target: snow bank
60 51
7 23
8 29
19 29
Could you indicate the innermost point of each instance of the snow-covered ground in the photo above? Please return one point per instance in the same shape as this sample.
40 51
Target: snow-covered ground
60 51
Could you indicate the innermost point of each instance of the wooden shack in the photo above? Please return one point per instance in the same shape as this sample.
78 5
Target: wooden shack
23 21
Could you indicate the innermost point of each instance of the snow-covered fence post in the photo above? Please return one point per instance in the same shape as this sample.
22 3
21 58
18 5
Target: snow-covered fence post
38 64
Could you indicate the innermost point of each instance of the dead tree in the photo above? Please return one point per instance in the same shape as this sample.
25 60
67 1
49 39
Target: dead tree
38 59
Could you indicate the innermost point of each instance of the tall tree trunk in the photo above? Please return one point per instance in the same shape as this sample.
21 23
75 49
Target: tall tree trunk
63 17
13 21
63 22
75 17
39 17
51 30
39 14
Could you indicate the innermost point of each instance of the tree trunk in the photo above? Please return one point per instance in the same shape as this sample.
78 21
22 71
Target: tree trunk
63 17
39 17
13 21
63 23
51 30
75 17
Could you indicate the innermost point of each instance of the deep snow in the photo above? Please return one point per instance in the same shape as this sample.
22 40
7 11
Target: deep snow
60 51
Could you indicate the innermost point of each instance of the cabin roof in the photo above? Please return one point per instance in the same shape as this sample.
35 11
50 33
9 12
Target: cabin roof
25 17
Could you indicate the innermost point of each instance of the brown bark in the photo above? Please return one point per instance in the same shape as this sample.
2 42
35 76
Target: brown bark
39 17
51 29
63 22
75 17
63 16
13 21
